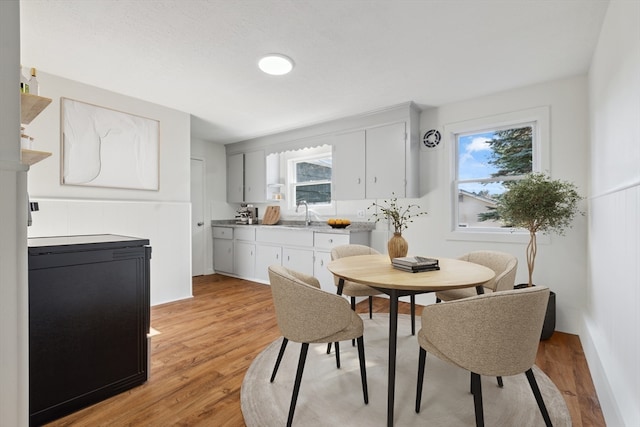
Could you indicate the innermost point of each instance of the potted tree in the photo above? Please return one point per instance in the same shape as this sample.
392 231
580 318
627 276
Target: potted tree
539 204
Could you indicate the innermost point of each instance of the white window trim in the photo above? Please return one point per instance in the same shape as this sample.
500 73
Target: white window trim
324 209
541 149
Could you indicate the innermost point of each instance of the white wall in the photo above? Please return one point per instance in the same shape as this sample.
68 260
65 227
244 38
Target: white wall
611 333
162 216
561 261
215 187
14 360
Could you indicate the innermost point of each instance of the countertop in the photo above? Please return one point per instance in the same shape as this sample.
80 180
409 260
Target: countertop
318 226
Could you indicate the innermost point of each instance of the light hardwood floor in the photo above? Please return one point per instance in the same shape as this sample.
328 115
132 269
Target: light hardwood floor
207 343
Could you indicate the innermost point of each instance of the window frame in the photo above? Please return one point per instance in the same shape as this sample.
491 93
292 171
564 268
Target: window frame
292 183
538 118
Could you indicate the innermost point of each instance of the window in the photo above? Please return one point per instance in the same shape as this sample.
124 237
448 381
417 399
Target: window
487 156
310 179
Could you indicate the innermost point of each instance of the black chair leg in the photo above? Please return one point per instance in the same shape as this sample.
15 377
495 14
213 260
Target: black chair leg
500 384
370 307
363 370
329 348
536 392
413 314
438 300
337 354
279 359
353 307
476 389
421 362
296 385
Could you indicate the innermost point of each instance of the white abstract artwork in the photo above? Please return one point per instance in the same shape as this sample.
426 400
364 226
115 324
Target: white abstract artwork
108 148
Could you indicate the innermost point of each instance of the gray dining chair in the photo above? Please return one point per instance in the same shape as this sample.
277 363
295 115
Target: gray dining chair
307 314
495 334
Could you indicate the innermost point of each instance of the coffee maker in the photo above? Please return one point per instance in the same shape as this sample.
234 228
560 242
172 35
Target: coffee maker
247 214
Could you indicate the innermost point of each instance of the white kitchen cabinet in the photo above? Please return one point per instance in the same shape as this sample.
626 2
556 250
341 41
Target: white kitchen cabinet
267 255
245 259
298 259
223 249
235 178
246 177
255 176
320 271
385 161
348 166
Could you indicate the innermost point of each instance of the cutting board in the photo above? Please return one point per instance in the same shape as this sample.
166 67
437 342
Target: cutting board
271 215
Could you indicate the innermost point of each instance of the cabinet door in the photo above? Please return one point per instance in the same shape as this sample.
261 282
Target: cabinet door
385 161
321 272
349 166
267 255
245 259
300 260
235 178
223 255
255 177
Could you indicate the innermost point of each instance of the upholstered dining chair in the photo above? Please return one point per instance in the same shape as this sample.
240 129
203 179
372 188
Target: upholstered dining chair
307 314
495 334
503 264
353 290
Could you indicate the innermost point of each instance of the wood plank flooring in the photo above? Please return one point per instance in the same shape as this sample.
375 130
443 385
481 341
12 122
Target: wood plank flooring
207 343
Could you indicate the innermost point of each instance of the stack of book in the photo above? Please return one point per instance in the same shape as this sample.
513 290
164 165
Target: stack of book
415 264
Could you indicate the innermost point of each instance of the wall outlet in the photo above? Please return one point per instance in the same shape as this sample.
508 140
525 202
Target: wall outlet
360 213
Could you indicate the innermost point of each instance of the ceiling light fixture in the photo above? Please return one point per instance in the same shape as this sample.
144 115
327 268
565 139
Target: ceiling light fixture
276 64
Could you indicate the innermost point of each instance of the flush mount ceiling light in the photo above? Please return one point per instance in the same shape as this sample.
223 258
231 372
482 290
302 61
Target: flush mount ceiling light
275 64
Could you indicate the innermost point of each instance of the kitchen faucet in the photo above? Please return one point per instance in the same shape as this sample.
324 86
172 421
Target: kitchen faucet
307 221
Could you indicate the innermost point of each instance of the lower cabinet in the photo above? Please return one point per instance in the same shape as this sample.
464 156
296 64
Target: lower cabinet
321 272
88 321
298 259
245 259
223 249
267 255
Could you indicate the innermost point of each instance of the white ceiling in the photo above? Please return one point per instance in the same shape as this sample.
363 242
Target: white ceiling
352 56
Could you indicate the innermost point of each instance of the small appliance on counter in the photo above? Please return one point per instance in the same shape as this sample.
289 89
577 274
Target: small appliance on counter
247 214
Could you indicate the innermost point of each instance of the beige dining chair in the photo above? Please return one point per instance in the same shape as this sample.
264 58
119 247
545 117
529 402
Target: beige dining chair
495 334
307 314
353 290
503 264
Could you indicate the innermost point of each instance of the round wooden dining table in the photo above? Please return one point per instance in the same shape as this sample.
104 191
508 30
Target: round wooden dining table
378 272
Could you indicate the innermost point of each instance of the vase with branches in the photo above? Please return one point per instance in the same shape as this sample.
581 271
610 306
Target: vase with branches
399 217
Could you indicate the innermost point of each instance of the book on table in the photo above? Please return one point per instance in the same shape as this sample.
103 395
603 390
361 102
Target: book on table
415 264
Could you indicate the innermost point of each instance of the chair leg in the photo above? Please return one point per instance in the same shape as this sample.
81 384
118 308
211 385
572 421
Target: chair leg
337 354
353 307
438 300
536 392
329 348
421 362
476 389
370 307
500 384
413 314
296 385
363 370
279 359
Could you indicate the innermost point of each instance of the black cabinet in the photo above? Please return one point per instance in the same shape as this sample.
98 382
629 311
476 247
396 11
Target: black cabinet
88 321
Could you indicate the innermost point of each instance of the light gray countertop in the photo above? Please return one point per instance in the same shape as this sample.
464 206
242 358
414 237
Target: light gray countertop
319 226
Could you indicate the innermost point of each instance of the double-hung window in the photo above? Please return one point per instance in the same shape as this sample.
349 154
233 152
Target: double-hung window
310 179
487 156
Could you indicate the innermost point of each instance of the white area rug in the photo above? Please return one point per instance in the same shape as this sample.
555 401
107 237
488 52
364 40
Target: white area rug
330 396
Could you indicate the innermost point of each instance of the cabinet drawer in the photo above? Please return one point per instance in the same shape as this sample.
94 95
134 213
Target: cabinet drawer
248 233
283 236
329 240
222 232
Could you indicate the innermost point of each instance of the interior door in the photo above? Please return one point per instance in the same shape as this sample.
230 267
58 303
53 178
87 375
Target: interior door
197 218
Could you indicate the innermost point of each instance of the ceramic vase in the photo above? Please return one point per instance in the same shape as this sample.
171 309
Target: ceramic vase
397 246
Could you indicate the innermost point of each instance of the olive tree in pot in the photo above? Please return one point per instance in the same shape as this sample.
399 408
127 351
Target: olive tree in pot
539 204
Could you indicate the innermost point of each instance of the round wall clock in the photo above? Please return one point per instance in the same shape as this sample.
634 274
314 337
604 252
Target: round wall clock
431 138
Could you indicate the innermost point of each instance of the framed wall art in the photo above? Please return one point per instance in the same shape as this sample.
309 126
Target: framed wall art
102 147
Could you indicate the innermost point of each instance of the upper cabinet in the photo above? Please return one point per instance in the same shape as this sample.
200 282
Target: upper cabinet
349 166
385 161
246 177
